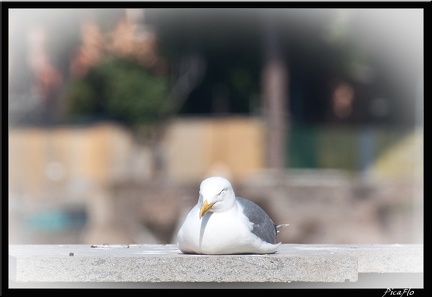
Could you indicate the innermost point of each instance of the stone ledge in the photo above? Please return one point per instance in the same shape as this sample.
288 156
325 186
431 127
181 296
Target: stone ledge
155 263
376 258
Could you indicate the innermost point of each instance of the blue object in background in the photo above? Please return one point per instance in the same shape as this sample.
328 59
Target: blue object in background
57 220
366 149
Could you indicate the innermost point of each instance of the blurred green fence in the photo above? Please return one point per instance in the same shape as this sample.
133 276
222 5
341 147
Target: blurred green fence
346 148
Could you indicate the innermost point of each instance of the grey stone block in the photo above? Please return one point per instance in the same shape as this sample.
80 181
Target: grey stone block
156 263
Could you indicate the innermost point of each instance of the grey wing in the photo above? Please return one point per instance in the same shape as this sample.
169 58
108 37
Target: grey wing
263 226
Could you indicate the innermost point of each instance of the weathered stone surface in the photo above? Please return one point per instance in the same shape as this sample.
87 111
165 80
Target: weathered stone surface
155 263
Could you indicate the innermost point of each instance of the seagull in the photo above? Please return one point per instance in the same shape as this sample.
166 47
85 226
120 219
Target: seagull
221 223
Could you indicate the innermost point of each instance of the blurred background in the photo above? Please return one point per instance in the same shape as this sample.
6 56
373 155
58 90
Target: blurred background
117 115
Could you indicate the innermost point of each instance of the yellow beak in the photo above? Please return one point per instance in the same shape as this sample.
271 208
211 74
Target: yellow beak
205 207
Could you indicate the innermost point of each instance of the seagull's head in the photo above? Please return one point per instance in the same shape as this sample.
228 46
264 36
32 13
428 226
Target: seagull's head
216 194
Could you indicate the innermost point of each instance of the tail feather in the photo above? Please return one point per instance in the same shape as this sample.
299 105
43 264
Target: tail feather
280 226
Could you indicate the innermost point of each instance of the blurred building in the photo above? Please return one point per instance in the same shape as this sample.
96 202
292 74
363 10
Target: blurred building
95 183
345 180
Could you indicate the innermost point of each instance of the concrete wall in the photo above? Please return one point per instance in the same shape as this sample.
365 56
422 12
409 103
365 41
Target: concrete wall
233 147
40 159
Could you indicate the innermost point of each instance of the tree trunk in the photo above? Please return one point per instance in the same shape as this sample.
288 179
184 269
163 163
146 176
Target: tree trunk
275 96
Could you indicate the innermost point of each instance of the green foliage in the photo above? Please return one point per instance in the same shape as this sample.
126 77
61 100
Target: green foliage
123 90
82 98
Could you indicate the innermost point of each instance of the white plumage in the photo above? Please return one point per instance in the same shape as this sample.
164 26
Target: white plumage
221 223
